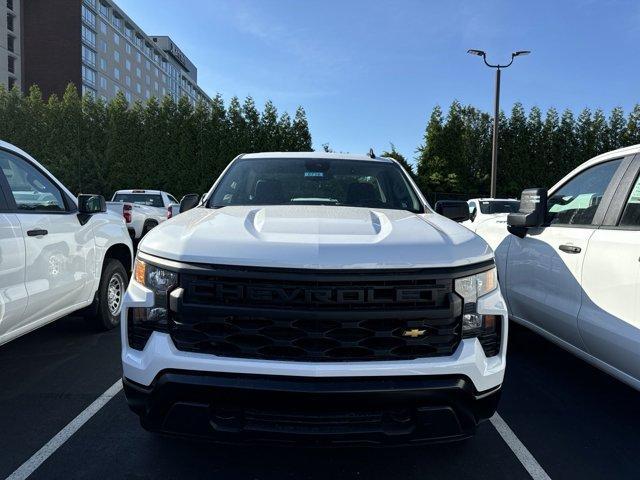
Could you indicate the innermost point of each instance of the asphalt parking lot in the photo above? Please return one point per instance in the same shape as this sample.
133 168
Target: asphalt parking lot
574 420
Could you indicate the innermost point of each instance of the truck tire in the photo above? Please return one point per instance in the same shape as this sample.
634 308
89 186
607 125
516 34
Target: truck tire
148 226
113 284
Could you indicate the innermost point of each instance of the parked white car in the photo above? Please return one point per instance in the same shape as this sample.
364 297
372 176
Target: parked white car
315 297
571 269
58 253
143 209
483 209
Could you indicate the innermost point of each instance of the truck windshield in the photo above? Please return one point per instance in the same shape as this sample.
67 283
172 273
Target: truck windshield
149 200
300 181
499 206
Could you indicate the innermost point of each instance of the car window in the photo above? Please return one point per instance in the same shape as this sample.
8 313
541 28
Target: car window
489 207
31 189
631 213
472 209
172 199
300 181
576 202
150 200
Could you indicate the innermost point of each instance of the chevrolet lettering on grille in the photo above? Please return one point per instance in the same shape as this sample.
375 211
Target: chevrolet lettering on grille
321 295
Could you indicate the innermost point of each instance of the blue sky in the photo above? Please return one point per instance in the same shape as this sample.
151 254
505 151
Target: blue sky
369 72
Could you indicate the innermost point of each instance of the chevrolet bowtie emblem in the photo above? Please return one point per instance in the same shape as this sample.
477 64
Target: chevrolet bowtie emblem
414 333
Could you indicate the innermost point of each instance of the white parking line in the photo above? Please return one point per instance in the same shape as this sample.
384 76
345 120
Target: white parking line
527 460
38 458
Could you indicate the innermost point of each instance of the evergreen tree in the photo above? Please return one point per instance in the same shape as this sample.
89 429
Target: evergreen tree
301 134
397 156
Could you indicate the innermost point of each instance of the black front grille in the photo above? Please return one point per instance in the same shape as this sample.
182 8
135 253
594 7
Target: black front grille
316 316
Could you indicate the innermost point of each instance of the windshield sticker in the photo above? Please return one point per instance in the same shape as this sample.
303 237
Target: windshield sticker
314 174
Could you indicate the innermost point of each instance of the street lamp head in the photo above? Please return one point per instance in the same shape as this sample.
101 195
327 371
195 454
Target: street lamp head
479 53
520 52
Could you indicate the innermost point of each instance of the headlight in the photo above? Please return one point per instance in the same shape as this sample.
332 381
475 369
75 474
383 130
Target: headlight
471 289
143 321
157 279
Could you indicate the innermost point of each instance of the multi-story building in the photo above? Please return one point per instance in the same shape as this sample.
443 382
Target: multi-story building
10 43
95 45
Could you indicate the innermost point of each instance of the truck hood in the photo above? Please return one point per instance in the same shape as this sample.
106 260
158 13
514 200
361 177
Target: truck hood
321 237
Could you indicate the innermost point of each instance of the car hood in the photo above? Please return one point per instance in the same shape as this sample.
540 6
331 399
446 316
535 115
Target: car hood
321 237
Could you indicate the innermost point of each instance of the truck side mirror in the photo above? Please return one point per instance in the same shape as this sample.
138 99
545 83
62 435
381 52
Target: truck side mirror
90 204
454 209
533 209
189 201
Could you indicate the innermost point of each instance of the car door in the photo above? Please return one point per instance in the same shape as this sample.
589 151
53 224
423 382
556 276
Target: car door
609 318
13 292
545 267
59 251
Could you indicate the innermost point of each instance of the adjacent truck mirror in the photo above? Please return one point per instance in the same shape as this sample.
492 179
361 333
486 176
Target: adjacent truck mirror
189 201
90 204
533 208
454 209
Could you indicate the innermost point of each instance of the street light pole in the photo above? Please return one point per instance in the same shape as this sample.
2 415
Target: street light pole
496 112
496 128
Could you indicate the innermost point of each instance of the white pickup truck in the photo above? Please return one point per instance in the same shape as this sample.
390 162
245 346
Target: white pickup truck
143 209
571 268
59 254
484 209
314 297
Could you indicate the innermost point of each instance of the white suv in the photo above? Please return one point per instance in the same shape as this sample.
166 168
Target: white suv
571 269
59 253
314 296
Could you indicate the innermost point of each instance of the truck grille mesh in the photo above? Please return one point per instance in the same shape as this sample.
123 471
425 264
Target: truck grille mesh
316 316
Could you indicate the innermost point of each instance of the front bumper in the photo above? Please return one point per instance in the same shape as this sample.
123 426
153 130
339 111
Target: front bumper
320 411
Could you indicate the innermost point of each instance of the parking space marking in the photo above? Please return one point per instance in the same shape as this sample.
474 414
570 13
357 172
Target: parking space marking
527 460
38 458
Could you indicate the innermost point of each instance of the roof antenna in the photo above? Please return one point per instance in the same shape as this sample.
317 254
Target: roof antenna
372 153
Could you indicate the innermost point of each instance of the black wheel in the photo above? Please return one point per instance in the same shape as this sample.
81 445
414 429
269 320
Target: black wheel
148 226
113 285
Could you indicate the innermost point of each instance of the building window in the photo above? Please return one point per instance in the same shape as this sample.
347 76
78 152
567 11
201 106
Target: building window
128 31
138 88
127 95
10 4
11 82
10 22
103 46
103 83
147 94
116 73
89 56
116 89
116 38
88 16
138 57
138 72
127 64
11 43
104 10
11 63
88 75
156 86
86 90
103 64
103 27
127 81
147 64
116 56
147 79
128 47
91 3
117 21
88 35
